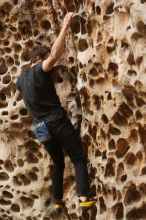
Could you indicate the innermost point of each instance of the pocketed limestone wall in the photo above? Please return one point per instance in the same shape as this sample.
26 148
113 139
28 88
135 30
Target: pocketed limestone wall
101 82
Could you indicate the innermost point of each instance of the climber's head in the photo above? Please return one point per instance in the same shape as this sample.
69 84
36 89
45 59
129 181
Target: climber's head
39 53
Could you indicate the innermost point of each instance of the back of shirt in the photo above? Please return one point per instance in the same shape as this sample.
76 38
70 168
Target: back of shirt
39 94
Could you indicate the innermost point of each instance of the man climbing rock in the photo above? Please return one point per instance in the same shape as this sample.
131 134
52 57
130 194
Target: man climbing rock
51 125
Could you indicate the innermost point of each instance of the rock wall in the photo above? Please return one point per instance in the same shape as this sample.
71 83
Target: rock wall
101 83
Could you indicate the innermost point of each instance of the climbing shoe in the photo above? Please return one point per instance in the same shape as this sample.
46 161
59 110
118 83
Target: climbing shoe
87 204
59 206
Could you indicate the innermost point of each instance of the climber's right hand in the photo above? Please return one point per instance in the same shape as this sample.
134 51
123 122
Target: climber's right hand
67 19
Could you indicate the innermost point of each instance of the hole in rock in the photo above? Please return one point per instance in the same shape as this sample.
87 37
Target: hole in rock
14 70
5 202
82 45
45 24
122 147
128 93
25 28
35 169
99 37
130 59
141 27
131 73
8 50
1 162
9 166
5 113
142 132
16 57
110 167
104 156
14 117
125 110
133 137
143 171
17 63
17 181
75 24
60 80
25 56
97 153
93 72
35 196
69 5
3 176
39 4
19 97
27 202
104 118
25 180
3 66
96 101
16 125
124 45
110 9
124 178
2 27
71 59
7 194
114 130
113 67
13 29
98 10
143 1
15 208
138 115
139 156
119 211
102 205
119 119
132 195
142 188
31 158
29 44
109 97
89 27
6 43
20 162
139 60
6 79
110 49
17 48
23 111
14 104
33 176
15 2
91 83
130 159
136 36
111 144
139 101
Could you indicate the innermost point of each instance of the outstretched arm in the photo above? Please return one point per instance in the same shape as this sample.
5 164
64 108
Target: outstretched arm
58 46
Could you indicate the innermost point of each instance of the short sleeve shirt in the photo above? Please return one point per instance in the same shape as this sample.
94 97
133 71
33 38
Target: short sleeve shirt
39 93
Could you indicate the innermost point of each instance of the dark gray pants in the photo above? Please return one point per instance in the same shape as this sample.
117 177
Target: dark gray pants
65 137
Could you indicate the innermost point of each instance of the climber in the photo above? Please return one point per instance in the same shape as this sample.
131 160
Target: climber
51 125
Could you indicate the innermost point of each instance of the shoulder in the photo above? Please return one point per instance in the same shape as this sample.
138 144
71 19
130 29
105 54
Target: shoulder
39 68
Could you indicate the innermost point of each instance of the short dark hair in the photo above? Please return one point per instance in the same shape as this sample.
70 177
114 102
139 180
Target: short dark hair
40 51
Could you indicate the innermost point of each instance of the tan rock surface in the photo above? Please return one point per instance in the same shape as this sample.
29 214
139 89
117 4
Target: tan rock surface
101 83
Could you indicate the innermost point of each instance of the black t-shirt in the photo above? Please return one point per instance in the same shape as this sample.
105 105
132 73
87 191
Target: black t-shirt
39 94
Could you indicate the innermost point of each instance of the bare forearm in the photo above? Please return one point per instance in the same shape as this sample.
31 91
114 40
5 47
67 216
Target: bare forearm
59 45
